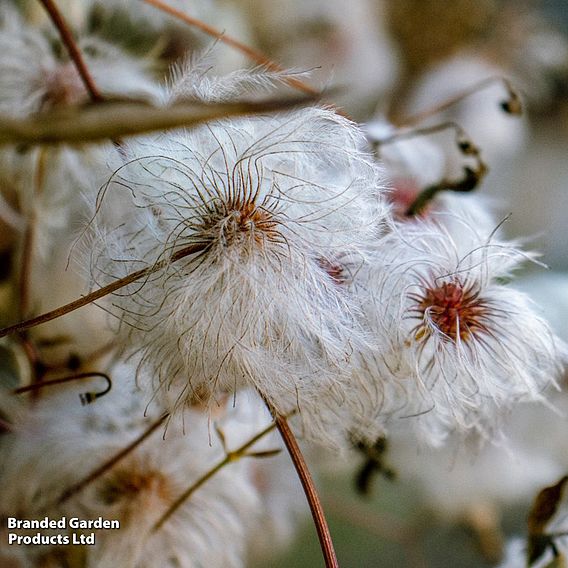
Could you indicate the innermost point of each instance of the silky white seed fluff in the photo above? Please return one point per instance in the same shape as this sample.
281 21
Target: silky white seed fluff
505 472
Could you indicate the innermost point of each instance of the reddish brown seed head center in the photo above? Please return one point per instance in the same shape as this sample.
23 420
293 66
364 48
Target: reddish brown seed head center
240 220
249 217
456 311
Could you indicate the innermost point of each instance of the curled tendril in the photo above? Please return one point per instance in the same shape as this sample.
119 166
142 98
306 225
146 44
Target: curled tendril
86 398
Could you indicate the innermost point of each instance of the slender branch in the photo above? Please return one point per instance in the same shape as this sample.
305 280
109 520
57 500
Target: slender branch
73 49
101 292
86 398
253 54
116 119
309 489
470 180
230 457
512 105
79 486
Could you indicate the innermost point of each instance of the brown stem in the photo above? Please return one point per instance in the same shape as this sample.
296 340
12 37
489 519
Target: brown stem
416 132
116 119
256 56
101 292
230 457
86 398
79 486
72 48
309 489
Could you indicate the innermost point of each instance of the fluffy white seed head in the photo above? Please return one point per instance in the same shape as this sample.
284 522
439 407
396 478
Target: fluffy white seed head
456 346
279 204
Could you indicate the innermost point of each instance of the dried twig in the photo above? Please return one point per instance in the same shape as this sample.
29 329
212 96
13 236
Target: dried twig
511 105
86 398
316 508
101 292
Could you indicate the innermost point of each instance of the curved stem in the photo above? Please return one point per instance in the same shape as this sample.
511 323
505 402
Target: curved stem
415 132
86 398
101 292
73 49
309 489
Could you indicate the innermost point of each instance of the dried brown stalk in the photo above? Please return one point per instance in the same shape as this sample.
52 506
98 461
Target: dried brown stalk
101 292
86 398
512 105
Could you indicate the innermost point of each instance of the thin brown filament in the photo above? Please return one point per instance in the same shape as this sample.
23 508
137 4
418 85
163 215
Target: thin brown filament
510 106
86 398
101 292
416 132
109 464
